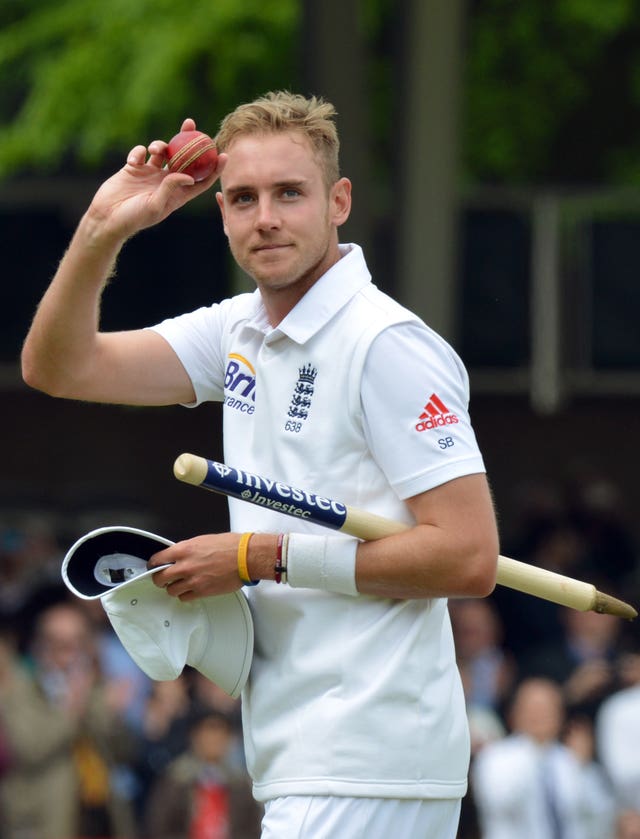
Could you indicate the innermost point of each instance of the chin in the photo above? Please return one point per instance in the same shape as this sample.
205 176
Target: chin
276 278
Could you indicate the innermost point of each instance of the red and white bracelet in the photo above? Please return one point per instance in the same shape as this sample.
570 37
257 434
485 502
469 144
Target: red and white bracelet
281 558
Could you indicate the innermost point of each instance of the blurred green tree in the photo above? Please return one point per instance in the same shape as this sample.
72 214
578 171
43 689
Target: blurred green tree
84 78
552 91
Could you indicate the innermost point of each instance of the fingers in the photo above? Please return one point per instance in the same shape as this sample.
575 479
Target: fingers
200 567
173 579
157 149
157 158
177 588
177 182
137 156
149 167
166 556
182 592
155 155
170 581
207 183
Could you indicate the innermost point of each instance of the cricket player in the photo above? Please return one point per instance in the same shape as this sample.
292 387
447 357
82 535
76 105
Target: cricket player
354 716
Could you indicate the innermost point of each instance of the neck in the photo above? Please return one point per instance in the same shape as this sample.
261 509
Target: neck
279 301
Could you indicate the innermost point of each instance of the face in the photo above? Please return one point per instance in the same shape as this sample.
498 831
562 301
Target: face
280 217
475 625
211 740
538 710
63 639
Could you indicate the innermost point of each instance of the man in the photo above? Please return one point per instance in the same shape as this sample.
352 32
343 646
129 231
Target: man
66 735
618 733
530 783
202 793
354 716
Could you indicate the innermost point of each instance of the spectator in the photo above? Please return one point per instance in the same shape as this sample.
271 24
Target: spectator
164 730
487 670
597 511
628 825
206 694
29 557
549 543
132 687
618 735
583 660
8 663
530 783
64 733
118 666
201 793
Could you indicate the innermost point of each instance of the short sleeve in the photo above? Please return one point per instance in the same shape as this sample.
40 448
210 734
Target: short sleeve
196 339
415 398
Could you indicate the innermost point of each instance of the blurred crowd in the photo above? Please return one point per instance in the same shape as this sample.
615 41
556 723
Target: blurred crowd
90 747
553 694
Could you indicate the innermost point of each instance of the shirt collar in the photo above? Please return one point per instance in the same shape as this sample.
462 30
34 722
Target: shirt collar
323 300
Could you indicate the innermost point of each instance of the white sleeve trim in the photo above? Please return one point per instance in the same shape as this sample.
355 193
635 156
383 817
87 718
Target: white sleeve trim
407 367
439 475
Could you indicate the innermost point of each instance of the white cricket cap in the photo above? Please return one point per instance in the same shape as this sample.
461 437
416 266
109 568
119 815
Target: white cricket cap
161 633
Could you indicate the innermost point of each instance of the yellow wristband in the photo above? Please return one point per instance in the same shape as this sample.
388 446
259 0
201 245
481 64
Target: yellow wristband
243 571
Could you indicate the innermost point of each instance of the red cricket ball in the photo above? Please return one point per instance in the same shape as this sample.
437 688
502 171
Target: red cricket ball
194 153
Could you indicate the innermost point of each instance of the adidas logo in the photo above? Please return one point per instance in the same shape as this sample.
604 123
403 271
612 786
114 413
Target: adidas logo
435 415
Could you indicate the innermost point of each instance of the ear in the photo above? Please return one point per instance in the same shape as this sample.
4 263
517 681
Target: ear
340 201
220 200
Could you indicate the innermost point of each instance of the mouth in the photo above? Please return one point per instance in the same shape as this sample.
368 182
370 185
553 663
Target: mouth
270 248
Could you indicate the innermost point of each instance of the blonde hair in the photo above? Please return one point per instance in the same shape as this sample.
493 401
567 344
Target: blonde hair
281 111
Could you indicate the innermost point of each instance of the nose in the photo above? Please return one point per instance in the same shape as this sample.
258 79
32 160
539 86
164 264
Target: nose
267 217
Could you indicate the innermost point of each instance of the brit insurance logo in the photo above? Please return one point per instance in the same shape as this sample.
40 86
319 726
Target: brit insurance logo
300 404
240 384
435 415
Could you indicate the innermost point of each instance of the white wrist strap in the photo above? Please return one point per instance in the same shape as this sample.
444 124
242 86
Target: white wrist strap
324 562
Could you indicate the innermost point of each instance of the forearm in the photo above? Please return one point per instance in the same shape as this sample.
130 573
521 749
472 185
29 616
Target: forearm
419 563
64 353
62 341
425 562
451 551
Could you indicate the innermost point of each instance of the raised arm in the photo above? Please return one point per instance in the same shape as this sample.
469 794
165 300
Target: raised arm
64 353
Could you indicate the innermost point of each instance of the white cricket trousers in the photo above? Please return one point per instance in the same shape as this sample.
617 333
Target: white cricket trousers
316 817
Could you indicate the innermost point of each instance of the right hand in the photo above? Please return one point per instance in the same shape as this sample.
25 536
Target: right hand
144 192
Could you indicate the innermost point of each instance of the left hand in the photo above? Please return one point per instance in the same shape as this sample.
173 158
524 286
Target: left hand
200 567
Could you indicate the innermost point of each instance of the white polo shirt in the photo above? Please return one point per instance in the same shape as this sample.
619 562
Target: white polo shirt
618 739
354 398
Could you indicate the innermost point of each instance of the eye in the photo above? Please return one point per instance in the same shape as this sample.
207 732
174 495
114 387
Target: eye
291 192
243 198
